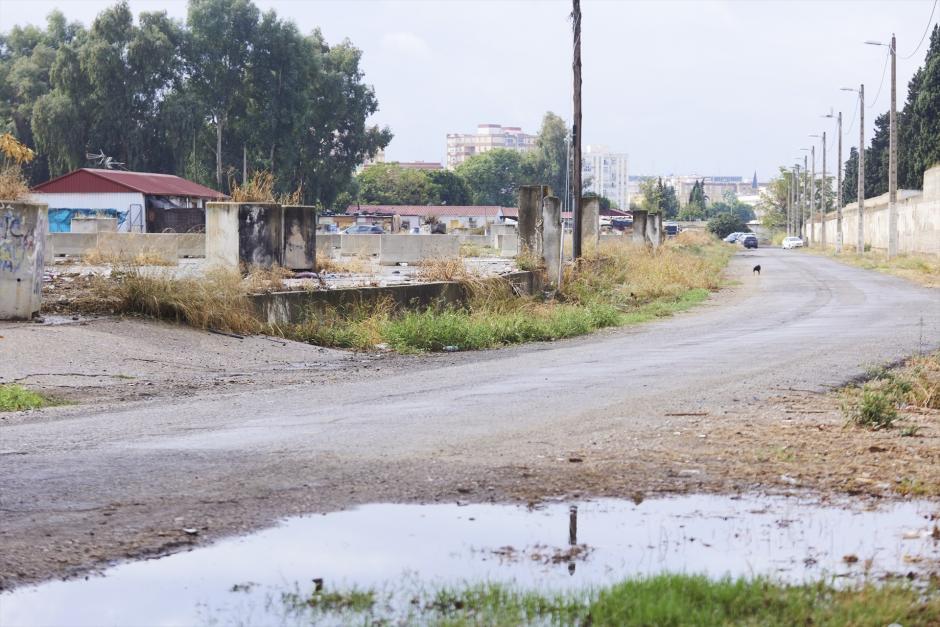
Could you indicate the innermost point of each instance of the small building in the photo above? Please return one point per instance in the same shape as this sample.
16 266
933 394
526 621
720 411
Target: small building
140 202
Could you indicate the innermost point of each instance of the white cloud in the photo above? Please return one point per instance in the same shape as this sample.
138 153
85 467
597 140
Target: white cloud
406 43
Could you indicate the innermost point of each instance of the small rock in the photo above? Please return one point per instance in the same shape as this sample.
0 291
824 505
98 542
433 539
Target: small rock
190 531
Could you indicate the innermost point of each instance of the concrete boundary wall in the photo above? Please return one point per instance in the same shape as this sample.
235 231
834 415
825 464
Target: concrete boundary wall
168 246
415 248
918 220
295 307
329 245
360 245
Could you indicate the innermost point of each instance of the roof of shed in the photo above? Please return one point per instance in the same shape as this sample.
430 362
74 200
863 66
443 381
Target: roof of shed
92 180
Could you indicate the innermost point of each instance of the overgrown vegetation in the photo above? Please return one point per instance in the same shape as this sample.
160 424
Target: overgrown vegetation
13 156
922 269
17 398
663 600
876 403
618 284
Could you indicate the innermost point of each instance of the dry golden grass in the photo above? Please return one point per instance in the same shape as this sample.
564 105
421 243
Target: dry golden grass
260 280
351 265
217 301
97 257
444 269
258 188
13 185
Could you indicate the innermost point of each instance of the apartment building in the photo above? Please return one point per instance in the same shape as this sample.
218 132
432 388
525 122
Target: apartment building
605 173
462 146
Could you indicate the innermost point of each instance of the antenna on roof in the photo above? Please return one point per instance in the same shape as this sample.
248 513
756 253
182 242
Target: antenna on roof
105 161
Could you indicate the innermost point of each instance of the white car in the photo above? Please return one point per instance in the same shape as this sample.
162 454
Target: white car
792 242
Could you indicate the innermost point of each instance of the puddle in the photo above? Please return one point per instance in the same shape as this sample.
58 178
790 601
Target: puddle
792 539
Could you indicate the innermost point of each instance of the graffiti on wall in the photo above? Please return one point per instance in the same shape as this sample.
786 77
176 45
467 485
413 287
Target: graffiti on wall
60 220
17 242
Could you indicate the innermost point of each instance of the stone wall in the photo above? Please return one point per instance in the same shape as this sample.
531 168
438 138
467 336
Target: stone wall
23 229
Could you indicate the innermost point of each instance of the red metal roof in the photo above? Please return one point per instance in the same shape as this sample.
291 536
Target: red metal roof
91 180
441 211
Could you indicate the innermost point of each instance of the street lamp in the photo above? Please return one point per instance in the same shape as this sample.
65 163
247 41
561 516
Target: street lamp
808 192
892 150
838 182
860 242
821 237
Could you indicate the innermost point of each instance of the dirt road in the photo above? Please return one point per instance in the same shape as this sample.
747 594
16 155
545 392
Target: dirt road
86 484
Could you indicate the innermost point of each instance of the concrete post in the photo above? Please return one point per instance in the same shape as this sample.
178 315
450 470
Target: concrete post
300 237
244 233
23 227
590 223
639 226
530 218
551 238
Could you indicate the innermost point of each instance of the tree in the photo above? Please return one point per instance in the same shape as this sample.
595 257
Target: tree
651 194
604 202
876 159
919 120
850 177
449 188
390 184
547 164
670 201
774 200
697 198
493 177
726 224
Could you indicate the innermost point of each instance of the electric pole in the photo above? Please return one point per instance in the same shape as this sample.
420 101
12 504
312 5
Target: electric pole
839 191
860 245
812 195
893 159
789 201
576 132
803 197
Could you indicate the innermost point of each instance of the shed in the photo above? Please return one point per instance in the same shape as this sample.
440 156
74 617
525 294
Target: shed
142 202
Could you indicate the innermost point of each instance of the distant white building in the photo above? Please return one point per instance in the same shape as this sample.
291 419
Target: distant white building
605 174
462 146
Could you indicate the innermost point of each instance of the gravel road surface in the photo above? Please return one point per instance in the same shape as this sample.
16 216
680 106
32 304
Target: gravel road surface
88 484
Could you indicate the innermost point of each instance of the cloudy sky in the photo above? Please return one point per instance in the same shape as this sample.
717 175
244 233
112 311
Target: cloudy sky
703 87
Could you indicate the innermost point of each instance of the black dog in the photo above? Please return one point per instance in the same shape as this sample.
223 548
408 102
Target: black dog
757 269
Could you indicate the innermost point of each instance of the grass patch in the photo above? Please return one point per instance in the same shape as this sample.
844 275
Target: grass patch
875 403
17 398
922 269
664 600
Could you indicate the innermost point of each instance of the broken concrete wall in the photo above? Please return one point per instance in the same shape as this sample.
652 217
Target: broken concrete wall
530 218
360 244
23 228
405 248
149 247
551 237
244 233
300 237
655 235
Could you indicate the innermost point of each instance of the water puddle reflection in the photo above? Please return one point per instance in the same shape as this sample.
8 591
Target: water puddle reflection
554 547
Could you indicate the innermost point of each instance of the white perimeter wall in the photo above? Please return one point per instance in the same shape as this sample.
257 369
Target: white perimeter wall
120 202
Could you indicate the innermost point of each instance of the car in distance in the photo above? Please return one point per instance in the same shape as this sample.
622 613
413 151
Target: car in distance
731 238
792 242
749 240
361 229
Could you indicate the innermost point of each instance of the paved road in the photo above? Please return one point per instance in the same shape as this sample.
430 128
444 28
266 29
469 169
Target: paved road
806 322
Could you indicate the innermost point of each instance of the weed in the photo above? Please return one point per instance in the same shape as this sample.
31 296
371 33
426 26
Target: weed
13 185
871 408
17 398
875 404
258 188
452 269
528 261
352 265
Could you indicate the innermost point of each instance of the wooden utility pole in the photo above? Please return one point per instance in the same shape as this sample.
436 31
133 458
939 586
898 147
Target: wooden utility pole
812 195
893 158
576 131
860 244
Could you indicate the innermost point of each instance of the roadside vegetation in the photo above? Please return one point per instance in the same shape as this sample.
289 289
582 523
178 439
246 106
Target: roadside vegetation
618 284
922 269
17 398
880 401
664 600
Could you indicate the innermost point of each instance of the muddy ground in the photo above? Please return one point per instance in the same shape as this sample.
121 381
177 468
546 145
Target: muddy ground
179 429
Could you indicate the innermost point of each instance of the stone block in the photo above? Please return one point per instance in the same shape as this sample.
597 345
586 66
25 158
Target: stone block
23 228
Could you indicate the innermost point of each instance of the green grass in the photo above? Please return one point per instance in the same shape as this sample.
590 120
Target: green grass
875 403
664 600
17 398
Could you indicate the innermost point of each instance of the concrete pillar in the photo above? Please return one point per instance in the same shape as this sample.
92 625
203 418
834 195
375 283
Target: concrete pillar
300 237
244 233
654 230
530 217
551 237
639 226
23 228
590 222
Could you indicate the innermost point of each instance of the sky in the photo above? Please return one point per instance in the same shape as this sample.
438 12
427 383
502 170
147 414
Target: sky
683 87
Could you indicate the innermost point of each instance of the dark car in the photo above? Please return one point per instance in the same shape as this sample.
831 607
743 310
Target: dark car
749 241
360 229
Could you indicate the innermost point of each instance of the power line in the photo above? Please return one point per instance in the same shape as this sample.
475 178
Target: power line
926 30
883 73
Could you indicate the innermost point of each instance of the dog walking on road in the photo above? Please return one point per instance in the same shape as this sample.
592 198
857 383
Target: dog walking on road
757 269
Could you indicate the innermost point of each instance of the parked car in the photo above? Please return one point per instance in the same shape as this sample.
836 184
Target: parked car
671 228
792 242
749 240
731 238
361 229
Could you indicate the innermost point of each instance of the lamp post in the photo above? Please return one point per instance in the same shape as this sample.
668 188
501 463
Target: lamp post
838 183
860 242
892 151
821 237
807 207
